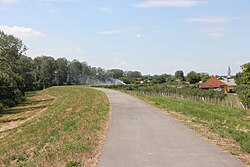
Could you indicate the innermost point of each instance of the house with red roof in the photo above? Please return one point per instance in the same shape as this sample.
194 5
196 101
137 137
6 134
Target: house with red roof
226 84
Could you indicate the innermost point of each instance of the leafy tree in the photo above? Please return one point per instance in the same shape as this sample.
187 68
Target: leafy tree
243 78
179 75
133 74
158 79
62 71
93 71
37 63
85 74
243 81
11 83
116 73
193 77
26 71
11 49
75 73
100 75
45 67
171 80
204 76
85 68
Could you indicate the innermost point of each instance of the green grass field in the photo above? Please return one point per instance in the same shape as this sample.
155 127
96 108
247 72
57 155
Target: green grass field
227 123
67 132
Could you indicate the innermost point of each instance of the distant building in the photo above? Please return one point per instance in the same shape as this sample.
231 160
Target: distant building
212 83
230 85
227 84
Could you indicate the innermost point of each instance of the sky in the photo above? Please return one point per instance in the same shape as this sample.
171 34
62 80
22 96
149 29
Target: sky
151 36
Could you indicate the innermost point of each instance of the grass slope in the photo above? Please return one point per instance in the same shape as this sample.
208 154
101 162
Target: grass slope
14 117
67 133
227 123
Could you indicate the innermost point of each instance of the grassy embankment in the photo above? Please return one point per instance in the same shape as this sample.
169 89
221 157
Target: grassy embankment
227 127
62 126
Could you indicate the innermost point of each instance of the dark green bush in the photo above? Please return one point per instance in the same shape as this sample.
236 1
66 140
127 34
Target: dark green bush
244 94
245 97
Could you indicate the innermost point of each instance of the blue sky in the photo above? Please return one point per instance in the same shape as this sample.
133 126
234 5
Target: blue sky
152 36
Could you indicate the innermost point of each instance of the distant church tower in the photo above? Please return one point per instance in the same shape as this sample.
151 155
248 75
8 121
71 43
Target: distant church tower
229 72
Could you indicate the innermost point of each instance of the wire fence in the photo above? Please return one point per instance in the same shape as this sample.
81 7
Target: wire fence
222 102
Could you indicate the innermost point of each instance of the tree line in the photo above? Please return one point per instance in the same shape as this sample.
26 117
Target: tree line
20 73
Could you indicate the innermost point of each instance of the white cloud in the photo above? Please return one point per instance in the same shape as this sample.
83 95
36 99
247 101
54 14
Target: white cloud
208 19
21 32
138 35
167 3
214 31
7 1
111 32
105 10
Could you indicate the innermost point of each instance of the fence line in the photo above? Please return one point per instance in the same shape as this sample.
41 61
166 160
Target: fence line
207 100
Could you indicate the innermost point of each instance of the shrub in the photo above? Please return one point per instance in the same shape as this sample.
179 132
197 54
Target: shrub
245 97
244 94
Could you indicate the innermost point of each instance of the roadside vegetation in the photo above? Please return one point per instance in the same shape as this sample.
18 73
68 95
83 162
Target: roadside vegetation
190 92
68 131
184 90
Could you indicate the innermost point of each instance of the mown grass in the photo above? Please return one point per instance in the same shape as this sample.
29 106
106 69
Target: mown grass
227 122
67 133
15 117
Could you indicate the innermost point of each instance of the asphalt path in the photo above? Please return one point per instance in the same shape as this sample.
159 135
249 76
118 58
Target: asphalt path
140 135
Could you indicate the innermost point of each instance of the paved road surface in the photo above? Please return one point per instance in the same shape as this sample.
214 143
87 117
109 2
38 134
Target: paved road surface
140 135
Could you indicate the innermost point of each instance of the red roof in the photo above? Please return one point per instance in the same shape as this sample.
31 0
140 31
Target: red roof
213 82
